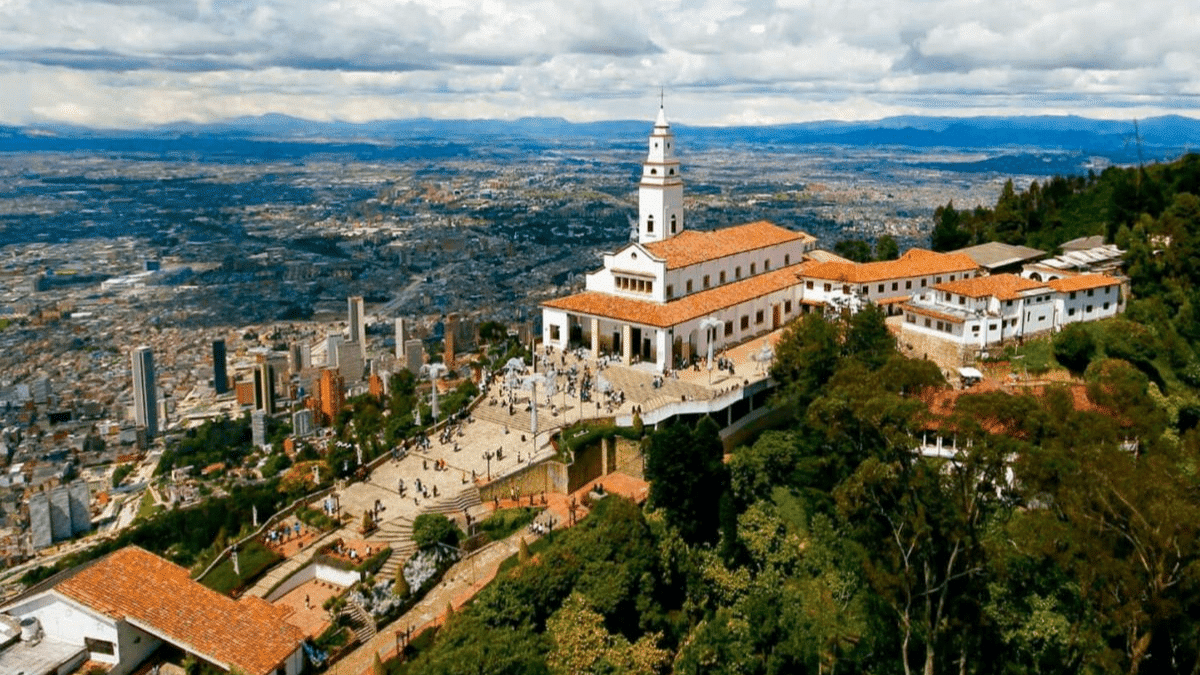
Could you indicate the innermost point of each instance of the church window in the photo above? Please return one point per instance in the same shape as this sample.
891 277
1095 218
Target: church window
767 265
753 268
653 172
689 285
722 276
649 223
737 272
706 284
656 144
673 224
671 172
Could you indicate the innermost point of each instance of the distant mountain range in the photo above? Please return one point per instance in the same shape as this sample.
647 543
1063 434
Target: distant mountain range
285 136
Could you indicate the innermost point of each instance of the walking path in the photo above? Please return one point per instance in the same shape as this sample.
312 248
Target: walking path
284 569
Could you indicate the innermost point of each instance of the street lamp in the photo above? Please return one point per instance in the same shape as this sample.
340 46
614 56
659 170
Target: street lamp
433 371
710 325
488 456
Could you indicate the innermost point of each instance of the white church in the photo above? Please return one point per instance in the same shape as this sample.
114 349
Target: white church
665 297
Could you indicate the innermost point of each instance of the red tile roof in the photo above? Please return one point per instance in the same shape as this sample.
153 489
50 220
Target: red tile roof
1082 282
675 312
159 597
916 262
1002 286
691 247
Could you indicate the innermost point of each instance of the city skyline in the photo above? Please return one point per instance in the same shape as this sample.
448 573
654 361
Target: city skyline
133 63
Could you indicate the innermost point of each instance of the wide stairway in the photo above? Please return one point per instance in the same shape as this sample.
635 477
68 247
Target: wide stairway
397 533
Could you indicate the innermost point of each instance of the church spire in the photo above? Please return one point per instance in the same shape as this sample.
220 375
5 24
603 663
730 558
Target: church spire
660 192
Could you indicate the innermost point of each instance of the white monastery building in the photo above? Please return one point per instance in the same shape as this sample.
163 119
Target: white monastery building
663 298
983 311
666 297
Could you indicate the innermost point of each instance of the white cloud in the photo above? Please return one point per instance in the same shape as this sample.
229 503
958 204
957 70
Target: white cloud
136 62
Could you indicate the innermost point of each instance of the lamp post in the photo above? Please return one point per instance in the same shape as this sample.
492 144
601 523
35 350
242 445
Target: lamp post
488 456
710 325
433 371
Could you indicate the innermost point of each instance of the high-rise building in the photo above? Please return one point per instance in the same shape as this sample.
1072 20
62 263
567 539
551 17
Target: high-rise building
414 355
220 374
330 394
264 386
59 513
331 349
358 327
400 337
450 338
350 362
145 397
258 428
299 357
302 423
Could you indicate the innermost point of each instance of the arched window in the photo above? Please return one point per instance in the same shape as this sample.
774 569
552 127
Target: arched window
673 225
649 223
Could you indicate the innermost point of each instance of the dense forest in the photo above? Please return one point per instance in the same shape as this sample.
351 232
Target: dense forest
1062 537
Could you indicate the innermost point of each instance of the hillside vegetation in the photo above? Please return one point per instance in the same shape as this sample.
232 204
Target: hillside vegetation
1062 539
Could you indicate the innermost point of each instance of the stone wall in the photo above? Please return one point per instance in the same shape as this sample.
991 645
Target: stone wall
948 354
548 476
629 459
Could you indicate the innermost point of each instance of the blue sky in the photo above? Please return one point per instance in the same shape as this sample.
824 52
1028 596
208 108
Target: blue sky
129 63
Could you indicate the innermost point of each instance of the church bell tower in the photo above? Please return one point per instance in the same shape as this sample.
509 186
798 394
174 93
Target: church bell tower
660 192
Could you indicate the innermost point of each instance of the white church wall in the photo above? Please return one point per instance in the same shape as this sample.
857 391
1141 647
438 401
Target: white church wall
555 331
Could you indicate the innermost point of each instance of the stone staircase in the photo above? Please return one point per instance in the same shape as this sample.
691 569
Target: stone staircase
360 619
466 498
397 534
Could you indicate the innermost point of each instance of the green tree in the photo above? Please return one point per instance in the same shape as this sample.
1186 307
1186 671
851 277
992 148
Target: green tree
687 477
806 356
434 528
886 248
853 249
867 337
948 234
1075 347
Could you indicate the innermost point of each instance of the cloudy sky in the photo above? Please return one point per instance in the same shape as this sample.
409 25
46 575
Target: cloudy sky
127 63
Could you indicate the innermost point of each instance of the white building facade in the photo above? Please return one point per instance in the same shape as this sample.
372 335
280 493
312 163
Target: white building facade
984 311
664 298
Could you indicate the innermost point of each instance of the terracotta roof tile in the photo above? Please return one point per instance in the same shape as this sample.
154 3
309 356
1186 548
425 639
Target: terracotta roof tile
1082 282
675 312
159 596
930 312
691 247
916 262
1002 286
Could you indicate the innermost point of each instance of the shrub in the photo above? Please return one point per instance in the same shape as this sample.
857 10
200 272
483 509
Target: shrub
432 528
1075 347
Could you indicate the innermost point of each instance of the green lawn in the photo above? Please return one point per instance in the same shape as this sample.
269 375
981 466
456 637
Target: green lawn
148 507
504 522
253 559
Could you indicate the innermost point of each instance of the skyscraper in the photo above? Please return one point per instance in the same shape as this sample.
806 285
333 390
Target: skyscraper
264 386
358 329
145 397
400 338
220 376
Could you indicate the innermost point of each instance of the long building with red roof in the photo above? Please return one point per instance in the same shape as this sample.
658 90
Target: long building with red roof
671 294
